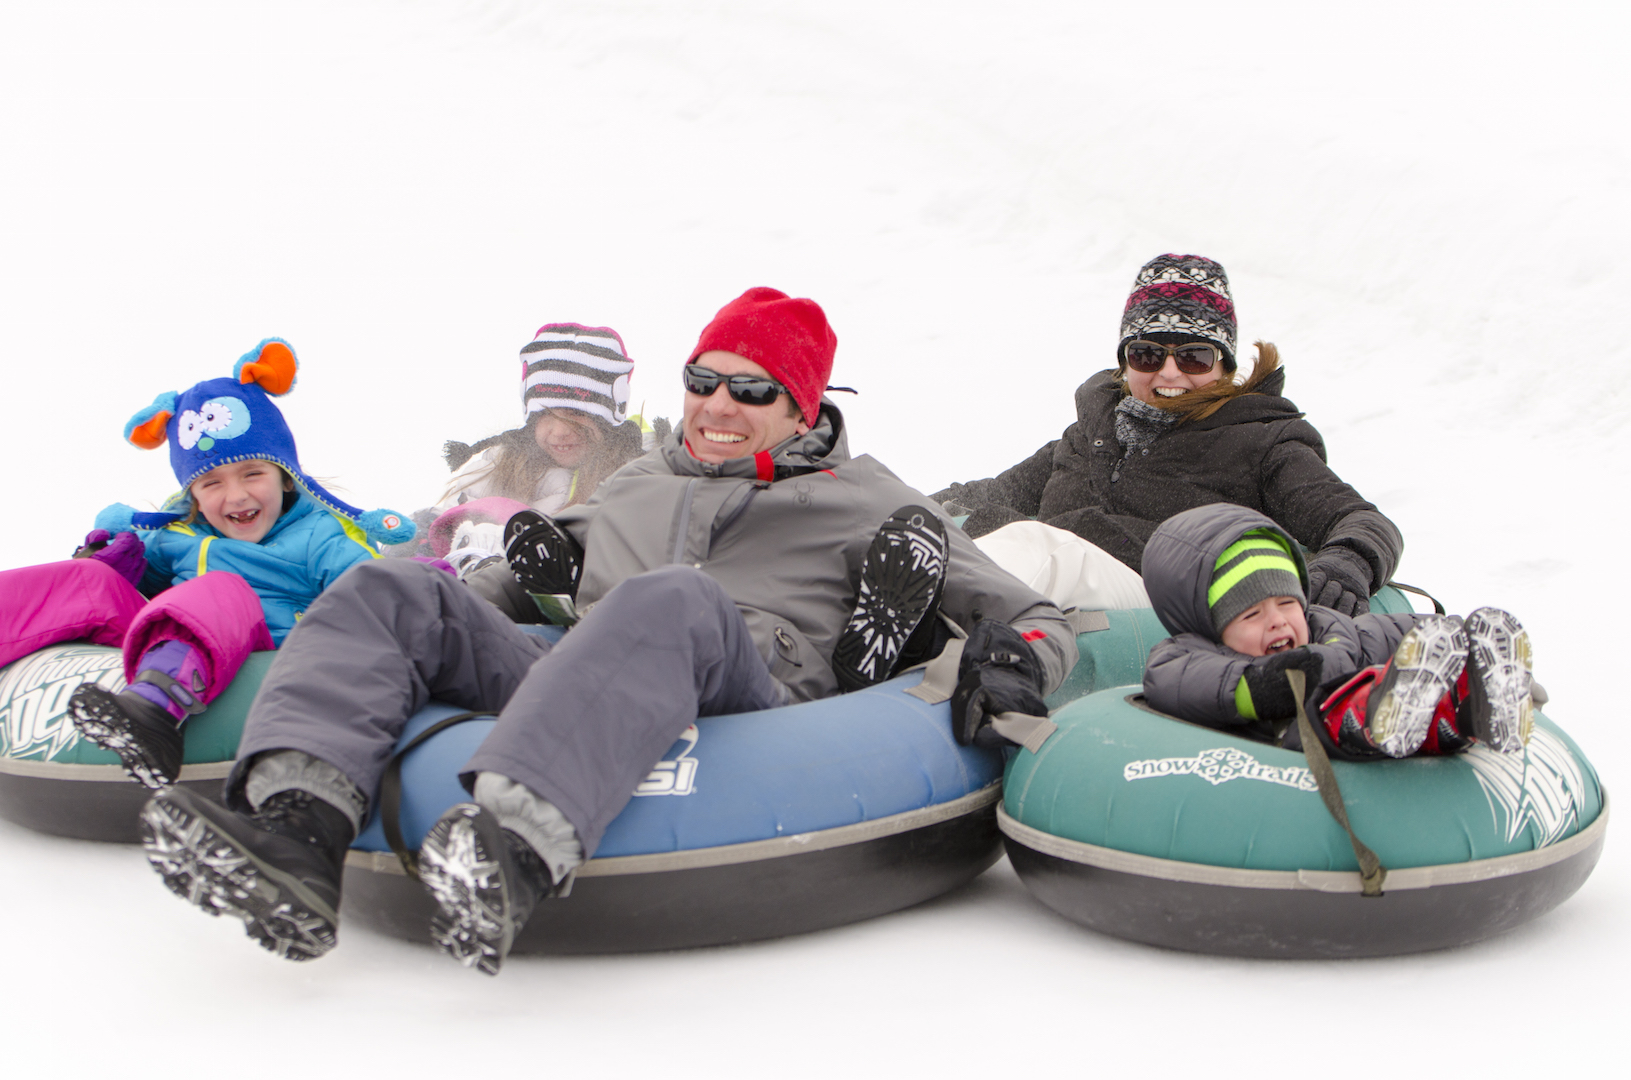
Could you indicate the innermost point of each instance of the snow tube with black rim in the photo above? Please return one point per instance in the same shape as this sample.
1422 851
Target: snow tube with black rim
53 781
753 826
1143 826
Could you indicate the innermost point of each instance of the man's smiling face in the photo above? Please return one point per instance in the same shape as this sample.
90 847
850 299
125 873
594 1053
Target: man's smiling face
718 427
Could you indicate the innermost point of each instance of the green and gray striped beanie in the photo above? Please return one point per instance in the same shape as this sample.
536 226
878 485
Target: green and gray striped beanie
1255 567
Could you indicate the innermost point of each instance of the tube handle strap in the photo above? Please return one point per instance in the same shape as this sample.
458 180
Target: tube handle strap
1438 608
390 790
1371 871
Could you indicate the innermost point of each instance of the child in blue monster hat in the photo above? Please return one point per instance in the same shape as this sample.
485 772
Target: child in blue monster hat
230 563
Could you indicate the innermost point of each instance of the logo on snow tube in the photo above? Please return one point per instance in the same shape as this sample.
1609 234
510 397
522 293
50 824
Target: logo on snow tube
1540 786
1220 766
34 691
676 777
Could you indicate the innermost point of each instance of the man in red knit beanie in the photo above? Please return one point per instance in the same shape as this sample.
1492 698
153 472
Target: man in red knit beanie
789 338
748 563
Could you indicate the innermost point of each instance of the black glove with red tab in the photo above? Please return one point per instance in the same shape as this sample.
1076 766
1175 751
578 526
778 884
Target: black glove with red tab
1266 682
999 673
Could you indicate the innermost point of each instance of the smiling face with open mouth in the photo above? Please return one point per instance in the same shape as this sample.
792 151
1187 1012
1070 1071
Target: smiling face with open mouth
718 427
566 439
242 499
1268 626
1169 382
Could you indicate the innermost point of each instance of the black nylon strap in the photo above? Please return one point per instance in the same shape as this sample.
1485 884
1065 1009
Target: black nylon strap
1371 871
1438 608
390 790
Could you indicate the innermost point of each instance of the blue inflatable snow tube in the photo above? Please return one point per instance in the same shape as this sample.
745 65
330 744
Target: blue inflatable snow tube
754 825
744 778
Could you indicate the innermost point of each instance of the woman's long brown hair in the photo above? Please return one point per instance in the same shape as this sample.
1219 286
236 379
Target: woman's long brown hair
1203 402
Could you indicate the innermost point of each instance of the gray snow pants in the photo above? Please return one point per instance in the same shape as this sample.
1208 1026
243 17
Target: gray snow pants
580 723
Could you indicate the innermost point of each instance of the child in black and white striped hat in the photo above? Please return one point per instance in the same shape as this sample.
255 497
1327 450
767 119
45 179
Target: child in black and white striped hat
576 368
575 431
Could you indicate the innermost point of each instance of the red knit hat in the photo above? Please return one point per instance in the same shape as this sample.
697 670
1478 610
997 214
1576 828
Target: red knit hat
788 338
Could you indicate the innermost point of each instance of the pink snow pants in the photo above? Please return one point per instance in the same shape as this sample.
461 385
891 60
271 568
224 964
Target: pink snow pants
218 614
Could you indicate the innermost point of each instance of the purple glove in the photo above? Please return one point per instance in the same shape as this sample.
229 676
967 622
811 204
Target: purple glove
440 564
122 551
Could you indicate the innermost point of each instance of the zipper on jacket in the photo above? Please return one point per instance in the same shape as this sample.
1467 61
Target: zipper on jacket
729 519
786 646
685 519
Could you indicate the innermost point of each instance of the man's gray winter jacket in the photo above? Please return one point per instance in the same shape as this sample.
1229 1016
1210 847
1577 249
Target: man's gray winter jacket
1192 674
785 532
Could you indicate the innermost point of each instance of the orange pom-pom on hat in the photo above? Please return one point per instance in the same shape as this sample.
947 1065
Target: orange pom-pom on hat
273 368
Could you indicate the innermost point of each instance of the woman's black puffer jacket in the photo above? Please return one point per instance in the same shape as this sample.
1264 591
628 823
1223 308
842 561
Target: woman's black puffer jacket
1256 451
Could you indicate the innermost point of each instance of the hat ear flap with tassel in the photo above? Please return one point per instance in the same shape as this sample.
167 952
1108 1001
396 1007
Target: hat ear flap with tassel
147 428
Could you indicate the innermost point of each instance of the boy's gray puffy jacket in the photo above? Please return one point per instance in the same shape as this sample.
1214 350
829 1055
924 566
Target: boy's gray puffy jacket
1192 674
785 533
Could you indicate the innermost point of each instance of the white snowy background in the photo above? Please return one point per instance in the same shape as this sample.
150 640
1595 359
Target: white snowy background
1423 205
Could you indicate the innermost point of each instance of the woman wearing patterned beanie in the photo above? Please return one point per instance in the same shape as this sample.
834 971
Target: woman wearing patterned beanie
575 432
1172 427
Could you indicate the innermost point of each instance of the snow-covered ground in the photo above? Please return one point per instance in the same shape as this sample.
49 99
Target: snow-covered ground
1423 205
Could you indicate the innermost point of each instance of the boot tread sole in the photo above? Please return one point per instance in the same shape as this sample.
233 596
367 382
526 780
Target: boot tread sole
1425 665
205 866
1502 660
99 717
901 580
472 923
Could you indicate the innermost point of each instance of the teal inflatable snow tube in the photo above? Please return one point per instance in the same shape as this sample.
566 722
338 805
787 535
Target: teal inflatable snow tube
1146 827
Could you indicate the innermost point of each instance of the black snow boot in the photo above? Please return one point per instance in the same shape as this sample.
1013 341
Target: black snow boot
146 737
485 880
277 869
901 580
543 556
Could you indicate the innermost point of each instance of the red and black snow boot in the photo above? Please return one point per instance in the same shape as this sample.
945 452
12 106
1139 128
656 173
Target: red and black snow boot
1393 709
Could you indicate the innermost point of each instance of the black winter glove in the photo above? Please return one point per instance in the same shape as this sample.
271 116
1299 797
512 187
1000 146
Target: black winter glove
1340 579
1272 698
999 673
543 556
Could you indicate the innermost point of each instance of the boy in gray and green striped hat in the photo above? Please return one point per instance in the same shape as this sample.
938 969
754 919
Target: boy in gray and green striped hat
1230 585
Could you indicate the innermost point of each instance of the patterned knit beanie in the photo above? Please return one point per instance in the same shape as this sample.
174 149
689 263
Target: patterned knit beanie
221 421
788 338
567 366
1186 296
1255 567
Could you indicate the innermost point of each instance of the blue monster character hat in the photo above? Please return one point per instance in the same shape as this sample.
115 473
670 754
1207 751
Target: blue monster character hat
220 421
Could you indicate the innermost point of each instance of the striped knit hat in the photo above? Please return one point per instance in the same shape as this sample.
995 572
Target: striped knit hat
567 366
1186 296
1255 567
